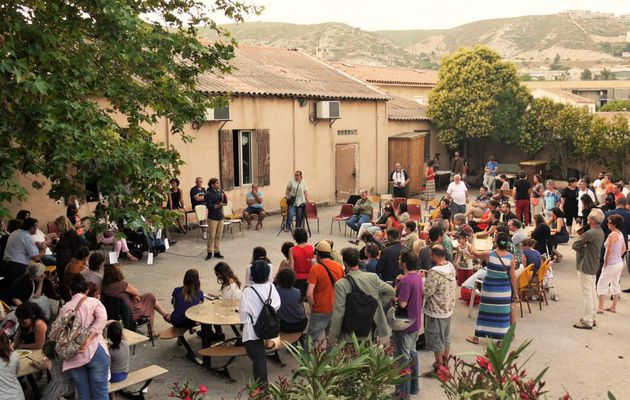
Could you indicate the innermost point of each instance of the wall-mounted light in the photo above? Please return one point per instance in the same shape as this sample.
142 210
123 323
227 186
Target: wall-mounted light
302 102
196 124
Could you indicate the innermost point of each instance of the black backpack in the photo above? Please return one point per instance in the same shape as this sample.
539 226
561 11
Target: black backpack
267 325
360 310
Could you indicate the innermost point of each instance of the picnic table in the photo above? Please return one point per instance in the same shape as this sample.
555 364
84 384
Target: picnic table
482 244
215 312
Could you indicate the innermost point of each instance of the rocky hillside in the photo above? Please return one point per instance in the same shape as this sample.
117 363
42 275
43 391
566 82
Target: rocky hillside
578 39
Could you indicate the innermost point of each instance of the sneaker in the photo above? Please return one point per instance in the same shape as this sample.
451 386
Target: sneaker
626 290
582 325
209 256
205 236
218 255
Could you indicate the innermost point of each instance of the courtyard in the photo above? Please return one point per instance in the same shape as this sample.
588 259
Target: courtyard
586 364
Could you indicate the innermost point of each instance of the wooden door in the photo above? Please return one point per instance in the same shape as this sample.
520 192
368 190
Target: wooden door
346 164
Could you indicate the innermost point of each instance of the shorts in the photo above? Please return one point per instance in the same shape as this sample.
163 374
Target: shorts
254 210
437 332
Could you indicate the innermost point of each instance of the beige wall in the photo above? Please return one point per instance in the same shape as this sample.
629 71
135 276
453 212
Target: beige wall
407 92
295 143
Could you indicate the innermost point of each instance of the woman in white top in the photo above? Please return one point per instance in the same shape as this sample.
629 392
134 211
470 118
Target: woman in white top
250 308
613 264
230 285
297 197
9 365
259 253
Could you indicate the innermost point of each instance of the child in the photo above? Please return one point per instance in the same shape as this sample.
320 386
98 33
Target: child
291 312
463 258
118 352
9 363
60 384
286 246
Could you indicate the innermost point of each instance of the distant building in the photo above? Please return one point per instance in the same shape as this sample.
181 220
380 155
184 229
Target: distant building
599 92
565 97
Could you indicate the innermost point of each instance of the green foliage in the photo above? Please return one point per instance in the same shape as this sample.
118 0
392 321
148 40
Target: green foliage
572 136
477 96
526 77
616 105
58 57
538 125
494 376
606 75
586 75
358 370
612 142
556 66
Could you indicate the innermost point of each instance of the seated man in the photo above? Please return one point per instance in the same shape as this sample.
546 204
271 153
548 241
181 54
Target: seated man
254 202
480 205
361 213
505 185
506 213
491 228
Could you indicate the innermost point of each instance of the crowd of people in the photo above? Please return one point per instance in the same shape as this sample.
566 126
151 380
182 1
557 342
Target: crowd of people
399 279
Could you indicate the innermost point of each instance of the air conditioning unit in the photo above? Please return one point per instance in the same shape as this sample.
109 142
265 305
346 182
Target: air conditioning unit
328 110
218 114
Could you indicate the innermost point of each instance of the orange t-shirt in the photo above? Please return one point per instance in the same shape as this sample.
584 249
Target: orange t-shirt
324 293
74 267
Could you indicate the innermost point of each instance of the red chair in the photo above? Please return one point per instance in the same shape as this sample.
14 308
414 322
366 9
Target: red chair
344 215
52 228
311 213
415 213
401 228
397 202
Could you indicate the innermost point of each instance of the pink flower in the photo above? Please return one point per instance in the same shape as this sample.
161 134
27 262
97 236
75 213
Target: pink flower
186 398
443 373
482 361
203 389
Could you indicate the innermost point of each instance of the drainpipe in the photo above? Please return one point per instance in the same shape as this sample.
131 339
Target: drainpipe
376 147
294 140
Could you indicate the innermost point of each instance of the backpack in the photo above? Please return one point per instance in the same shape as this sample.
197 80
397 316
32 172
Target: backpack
360 311
69 334
267 325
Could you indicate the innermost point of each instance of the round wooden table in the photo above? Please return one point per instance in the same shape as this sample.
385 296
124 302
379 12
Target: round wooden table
215 312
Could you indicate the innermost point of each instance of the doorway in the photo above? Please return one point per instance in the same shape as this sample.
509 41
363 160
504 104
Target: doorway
346 170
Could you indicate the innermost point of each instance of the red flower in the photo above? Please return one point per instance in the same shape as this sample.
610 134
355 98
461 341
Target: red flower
186 398
405 372
443 373
515 378
186 391
566 396
203 389
171 394
482 361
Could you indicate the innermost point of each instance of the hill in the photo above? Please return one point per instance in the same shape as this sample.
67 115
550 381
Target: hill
580 39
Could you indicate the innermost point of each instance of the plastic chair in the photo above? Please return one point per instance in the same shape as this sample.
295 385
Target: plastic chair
232 218
413 201
51 227
284 212
523 285
397 202
344 215
201 212
311 213
415 211
537 287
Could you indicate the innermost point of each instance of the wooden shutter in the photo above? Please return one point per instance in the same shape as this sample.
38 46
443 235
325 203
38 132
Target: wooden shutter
262 173
226 159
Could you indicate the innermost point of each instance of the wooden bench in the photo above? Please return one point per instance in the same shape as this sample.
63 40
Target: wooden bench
143 375
228 349
178 333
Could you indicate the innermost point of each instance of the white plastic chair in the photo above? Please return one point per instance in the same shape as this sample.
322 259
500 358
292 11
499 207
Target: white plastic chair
201 212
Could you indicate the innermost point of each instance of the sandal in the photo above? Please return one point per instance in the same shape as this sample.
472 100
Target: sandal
167 317
472 339
609 309
600 311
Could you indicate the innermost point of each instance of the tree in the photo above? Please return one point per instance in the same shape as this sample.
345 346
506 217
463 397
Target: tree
538 125
613 142
142 57
606 75
616 105
586 75
478 96
555 65
526 77
571 136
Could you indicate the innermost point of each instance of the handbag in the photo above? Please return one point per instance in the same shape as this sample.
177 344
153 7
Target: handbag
291 199
69 334
535 201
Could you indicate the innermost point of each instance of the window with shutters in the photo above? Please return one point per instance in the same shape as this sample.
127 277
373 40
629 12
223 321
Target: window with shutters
244 157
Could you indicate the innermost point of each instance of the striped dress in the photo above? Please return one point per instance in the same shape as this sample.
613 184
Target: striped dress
493 320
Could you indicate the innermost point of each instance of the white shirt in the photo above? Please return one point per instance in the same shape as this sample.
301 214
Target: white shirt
39 236
580 194
458 192
231 292
251 306
597 183
625 191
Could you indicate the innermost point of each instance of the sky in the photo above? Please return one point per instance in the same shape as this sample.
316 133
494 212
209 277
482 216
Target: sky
416 14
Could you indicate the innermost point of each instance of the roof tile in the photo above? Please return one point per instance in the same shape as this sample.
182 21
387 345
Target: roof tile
391 75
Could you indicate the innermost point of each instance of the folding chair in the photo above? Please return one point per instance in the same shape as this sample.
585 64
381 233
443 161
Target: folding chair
284 212
344 215
201 212
537 286
415 212
397 202
523 286
311 213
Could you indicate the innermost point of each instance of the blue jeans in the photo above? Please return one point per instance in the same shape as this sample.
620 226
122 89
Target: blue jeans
405 345
356 221
91 379
293 211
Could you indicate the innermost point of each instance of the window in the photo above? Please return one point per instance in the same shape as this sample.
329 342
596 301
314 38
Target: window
418 99
242 157
347 132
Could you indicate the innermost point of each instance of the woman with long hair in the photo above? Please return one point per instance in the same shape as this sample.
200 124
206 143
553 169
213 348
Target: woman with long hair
141 305
31 333
498 292
9 364
541 234
559 233
537 192
68 245
587 204
615 249
184 297
230 285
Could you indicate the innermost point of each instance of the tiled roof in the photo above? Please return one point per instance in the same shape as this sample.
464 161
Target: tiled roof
564 94
392 75
264 71
401 109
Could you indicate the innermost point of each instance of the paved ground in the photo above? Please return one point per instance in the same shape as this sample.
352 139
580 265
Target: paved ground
585 363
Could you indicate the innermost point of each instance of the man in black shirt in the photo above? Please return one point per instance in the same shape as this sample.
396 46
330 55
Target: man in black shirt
215 200
506 213
198 193
399 179
388 267
521 193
